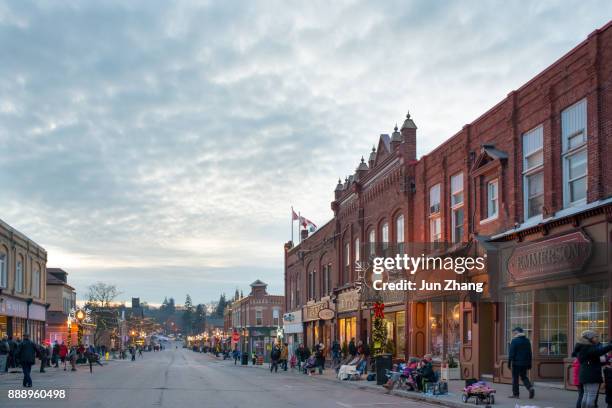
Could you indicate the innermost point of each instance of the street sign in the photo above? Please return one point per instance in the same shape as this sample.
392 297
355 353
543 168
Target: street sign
235 337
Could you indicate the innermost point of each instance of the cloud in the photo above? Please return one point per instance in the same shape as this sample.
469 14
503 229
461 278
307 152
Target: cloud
162 147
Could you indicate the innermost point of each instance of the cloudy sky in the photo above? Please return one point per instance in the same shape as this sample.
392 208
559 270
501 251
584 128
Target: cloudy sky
161 148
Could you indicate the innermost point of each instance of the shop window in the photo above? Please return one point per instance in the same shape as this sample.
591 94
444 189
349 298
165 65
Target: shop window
399 234
552 322
574 147
453 335
457 207
519 312
400 321
436 340
3 271
591 310
533 172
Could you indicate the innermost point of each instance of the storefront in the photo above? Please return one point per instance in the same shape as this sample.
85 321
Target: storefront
18 317
293 329
318 326
555 287
347 304
261 341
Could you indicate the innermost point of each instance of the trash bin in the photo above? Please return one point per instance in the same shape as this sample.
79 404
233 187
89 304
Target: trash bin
383 362
245 359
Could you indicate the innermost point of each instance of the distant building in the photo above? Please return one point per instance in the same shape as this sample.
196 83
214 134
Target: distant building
22 285
62 299
258 319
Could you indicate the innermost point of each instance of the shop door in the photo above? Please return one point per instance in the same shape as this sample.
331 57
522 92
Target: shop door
419 329
486 351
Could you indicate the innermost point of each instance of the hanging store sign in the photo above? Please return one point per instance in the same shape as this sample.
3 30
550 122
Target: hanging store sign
348 301
326 314
312 311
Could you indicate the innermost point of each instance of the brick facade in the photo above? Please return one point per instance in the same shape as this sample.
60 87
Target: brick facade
488 152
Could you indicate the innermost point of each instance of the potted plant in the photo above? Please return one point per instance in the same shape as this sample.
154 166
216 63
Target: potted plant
451 370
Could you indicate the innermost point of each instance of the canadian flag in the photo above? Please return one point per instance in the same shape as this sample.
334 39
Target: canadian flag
294 216
306 223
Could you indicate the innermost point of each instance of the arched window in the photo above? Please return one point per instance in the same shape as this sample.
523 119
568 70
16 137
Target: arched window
36 281
384 237
371 243
19 275
399 234
347 263
357 251
3 269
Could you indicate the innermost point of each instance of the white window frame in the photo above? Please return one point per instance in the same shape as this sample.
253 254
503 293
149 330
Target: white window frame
35 285
434 199
3 271
357 250
275 317
435 234
372 242
258 317
492 200
384 237
399 234
456 206
19 278
532 171
569 152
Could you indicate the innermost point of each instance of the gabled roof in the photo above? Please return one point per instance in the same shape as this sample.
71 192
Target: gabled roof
384 148
488 154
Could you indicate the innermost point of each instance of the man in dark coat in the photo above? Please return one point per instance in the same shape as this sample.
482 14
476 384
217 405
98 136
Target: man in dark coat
519 361
352 349
26 354
589 350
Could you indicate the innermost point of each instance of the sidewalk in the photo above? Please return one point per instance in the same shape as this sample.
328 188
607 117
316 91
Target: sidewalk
546 396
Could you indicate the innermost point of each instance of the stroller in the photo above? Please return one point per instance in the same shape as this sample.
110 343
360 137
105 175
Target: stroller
310 365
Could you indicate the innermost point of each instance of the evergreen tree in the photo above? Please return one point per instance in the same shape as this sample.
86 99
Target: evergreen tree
199 319
236 295
188 316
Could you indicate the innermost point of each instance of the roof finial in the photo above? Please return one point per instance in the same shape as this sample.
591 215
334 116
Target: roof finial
408 115
395 128
373 149
362 159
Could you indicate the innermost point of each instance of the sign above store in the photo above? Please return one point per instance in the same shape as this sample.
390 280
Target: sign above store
554 256
326 314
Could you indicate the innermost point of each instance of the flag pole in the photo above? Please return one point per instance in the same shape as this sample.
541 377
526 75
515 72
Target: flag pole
299 227
292 225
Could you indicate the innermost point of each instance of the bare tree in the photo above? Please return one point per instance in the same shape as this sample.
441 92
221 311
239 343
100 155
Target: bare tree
102 294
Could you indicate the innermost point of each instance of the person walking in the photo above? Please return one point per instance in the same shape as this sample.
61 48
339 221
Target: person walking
275 357
302 354
352 349
63 352
133 353
519 361
320 357
44 357
12 356
589 350
139 351
72 357
4 351
284 357
336 352
55 355
26 354
236 355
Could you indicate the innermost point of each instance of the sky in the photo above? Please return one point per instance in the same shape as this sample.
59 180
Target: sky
159 147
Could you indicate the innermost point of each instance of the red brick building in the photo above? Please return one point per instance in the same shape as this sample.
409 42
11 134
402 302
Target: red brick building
257 318
530 178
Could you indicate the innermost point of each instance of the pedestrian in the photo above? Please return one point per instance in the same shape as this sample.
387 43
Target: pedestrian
26 354
320 357
44 357
72 357
254 358
519 361
284 357
336 351
302 355
139 351
274 358
4 351
589 350
133 353
352 349
12 356
55 355
63 352
236 355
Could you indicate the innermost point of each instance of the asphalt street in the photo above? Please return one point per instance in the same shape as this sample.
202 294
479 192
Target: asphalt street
178 377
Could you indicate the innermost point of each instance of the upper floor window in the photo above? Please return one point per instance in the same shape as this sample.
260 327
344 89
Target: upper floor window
384 236
258 318
3 271
457 207
311 284
347 262
326 283
435 229
19 277
434 199
492 199
36 282
356 250
275 317
372 243
574 147
399 233
533 172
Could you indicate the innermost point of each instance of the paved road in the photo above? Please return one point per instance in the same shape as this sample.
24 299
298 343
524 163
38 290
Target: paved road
182 378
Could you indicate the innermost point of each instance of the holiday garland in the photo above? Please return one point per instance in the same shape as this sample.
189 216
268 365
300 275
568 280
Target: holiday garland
379 329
